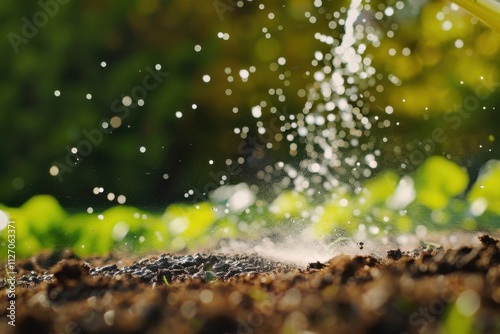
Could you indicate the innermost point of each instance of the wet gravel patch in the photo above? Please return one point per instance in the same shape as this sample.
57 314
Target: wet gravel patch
156 269
206 267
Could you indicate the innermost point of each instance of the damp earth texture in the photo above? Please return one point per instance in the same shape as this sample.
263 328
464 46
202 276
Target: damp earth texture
421 291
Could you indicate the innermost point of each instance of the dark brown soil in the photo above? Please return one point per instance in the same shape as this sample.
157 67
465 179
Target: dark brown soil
402 293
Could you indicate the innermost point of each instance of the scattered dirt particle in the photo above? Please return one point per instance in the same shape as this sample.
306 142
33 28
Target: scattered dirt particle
69 270
316 265
394 254
487 241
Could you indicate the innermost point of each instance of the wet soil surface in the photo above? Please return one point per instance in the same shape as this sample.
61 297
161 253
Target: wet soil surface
423 291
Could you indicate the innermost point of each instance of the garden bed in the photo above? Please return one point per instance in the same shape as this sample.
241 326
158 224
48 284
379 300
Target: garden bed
422 291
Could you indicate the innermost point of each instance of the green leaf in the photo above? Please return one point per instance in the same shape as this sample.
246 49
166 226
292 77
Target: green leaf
225 228
486 190
43 219
128 226
438 180
26 243
337 214
43 212
404 224
189 222
377 189
288 204
95 235
120 226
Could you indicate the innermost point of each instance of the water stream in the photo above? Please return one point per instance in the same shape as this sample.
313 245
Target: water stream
335 123
334 130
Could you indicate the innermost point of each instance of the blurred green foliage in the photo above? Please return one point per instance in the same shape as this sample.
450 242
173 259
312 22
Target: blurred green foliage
431 46
42 224
486 191
438 180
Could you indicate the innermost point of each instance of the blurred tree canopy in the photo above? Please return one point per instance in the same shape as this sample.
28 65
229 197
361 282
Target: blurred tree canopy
443 60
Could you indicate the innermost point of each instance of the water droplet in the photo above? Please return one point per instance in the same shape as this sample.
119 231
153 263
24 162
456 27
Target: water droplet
127 101
122 199
257 111
244 74
459 44
54 170
222 35
115 122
